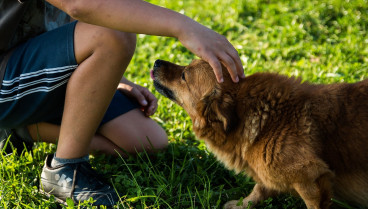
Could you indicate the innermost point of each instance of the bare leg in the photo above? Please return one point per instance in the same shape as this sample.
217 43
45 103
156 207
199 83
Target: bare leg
135 132
102 55
129 132
46 132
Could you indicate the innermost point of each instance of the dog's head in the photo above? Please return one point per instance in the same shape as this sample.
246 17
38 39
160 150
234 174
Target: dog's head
195 88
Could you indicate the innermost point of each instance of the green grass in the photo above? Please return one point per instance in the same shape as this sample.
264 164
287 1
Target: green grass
320 41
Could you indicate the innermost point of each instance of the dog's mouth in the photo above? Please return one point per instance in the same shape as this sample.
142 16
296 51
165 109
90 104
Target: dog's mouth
152 75
161 88
164 90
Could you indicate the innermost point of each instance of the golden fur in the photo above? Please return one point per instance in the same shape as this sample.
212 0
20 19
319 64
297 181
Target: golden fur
310 140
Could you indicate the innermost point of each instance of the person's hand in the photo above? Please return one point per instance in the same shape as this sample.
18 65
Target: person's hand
213 48
144 97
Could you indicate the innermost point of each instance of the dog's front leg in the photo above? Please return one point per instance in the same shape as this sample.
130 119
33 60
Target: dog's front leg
258 194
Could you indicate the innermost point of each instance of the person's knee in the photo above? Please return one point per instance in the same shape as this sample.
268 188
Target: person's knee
159 141
124 43
134 132
111 44
152 139
118 43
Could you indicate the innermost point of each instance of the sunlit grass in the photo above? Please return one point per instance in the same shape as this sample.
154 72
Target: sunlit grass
318 40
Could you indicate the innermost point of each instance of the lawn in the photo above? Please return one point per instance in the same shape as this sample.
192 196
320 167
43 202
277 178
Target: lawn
318 40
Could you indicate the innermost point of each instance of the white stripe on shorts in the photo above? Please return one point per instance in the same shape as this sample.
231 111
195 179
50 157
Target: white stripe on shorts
48 86
37 73
30 91
46 80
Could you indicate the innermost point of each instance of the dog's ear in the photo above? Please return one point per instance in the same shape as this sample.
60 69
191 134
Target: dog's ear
217 108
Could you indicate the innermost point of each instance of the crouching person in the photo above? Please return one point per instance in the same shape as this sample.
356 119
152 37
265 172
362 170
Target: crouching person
62 82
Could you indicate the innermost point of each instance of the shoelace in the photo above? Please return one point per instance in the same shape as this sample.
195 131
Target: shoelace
96 177
73 184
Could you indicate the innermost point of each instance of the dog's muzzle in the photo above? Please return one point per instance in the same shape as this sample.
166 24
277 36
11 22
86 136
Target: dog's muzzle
159 87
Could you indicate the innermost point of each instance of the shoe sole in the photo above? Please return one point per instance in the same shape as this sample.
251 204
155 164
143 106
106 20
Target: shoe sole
57 199
62 201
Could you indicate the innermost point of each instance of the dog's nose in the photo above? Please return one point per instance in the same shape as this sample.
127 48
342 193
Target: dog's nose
157 63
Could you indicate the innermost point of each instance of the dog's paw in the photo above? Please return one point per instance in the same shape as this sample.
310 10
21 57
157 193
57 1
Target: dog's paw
233 204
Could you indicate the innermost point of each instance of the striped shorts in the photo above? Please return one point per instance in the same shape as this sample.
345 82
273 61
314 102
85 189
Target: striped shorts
34 84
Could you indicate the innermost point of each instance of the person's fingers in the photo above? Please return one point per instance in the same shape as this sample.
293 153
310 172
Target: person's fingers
229 56
139 97
216 66
149 96
229 63
214 49
239 66
152 108
225 53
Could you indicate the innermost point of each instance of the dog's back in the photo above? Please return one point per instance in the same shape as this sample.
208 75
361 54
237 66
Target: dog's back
340 116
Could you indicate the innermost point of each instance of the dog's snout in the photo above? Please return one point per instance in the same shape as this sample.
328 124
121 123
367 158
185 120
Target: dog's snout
157 64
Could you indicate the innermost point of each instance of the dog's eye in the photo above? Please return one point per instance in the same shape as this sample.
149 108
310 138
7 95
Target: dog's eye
183 76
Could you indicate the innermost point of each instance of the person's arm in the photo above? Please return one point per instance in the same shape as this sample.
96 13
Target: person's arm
137 16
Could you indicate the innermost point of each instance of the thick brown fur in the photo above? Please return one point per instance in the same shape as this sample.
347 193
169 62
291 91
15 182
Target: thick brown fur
307 139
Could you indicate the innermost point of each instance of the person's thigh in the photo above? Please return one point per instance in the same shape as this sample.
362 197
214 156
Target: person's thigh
132 132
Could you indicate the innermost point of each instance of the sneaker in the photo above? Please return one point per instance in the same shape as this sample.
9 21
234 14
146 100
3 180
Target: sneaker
77 181
10 141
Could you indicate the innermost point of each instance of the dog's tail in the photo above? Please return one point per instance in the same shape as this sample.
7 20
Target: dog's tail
352 188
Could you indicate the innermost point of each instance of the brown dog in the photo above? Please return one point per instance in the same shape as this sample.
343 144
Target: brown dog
288 136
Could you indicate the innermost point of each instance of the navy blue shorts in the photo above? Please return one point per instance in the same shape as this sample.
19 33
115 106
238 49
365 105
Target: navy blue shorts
34 85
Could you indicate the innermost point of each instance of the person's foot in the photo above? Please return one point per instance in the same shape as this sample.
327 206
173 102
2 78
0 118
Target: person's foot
77 181
10 141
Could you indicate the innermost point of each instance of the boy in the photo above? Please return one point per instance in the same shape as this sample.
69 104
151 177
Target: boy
62 84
